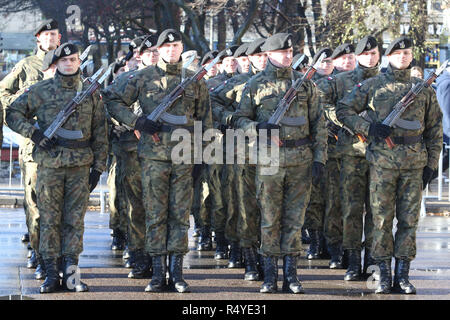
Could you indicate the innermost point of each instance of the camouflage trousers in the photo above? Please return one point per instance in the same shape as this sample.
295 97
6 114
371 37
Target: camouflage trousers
131 182
332 226
214 203
200 208
167 196
395 194
229 200
63 195
315 211
355 201
283 198
29 175
117 199
249 215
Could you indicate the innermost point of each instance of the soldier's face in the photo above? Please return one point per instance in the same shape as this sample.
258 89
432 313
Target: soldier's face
346 62
259 60
229 64
150 56
171 52
243 64
213 71
325 67
49 40
369 59
281 58
401 58
68 65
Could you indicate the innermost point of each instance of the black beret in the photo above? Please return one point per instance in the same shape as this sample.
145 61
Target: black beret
46 26
399 43
344 48
255 46
228 52
327 52
365 44
241 51
209 56
48 58
136 42
279 41
303 62
64 50
148 42
117 65
168 36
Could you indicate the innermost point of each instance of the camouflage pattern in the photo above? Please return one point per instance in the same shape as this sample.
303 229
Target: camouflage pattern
29 173
283 197
167 187
395 174
62 188
116 201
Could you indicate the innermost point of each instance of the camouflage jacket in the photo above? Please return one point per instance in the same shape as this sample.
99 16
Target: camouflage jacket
333 89
259 99
212 84
226 97
378 95
149 86
24 74
44 100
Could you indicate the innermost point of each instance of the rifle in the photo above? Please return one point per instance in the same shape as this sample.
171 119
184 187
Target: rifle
72 105
284 104
408 99
173 96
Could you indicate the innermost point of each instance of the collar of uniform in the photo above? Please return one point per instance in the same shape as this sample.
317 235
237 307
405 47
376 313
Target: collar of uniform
367 72
40 53
170 68
403 75
69 82
280 73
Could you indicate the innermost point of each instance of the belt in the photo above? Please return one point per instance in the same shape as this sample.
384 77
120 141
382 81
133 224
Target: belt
72 144
169 129
407 139
293 143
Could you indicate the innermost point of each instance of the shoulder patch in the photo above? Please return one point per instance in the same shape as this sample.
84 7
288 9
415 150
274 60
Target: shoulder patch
359 85
27 89
330 78
131 76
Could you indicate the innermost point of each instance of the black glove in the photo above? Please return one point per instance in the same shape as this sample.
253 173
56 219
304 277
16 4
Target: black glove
94 176
379 131
318 169
42 141
427 176
223 128
149 126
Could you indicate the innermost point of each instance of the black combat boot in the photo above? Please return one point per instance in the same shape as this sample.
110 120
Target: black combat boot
158 282
52 281
313 251
235 260
221 247
197 230
335 252
118 240
70 282
260 266
205 242
32 261
143 266
401 278
40 274
291 283
385 283
25 237
270 275
130 262
125 253
368 261
251 269
353 272
176 282
305 236
323 252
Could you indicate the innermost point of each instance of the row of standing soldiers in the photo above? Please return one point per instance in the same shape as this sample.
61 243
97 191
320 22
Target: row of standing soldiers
337 188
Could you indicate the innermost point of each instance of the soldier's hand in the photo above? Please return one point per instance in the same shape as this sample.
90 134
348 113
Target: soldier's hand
118 130
223 128
318 170
427 176
267 126
42 141
379 131
146 125
94 176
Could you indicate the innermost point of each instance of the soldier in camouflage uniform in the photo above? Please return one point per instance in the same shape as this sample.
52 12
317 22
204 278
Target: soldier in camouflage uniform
283 196
343 60
315 212
354 175
247 216
64 181
397 175
26 73
167 185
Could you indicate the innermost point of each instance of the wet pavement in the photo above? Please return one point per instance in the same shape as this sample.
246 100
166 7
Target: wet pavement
102 269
